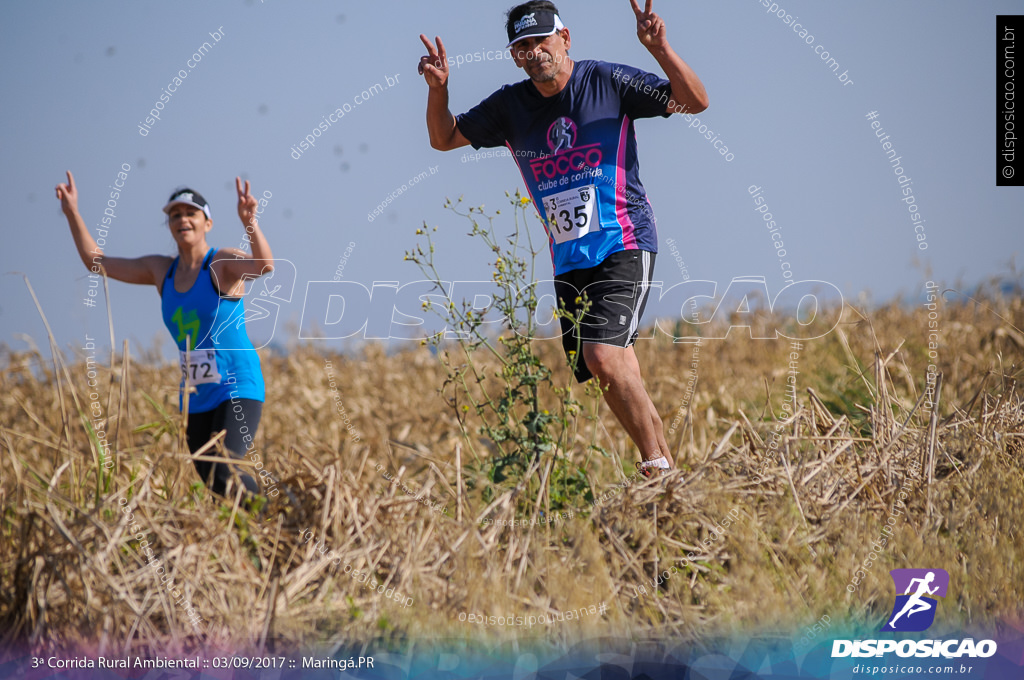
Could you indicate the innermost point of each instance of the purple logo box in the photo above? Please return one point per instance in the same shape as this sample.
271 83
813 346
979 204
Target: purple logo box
903 577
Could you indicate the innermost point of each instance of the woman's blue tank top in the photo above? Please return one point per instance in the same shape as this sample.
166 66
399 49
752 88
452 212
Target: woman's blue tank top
223 363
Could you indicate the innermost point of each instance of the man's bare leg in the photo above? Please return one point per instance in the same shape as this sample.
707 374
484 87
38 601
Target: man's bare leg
619 372
659 427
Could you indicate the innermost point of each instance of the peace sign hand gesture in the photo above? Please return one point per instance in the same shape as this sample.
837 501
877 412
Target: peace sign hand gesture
650 28
434 66
247 203
68 196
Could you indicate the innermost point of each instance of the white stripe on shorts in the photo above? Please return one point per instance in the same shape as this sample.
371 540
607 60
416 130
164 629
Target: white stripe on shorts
645 282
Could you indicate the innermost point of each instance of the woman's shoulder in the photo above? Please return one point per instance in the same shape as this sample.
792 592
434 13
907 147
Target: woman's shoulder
159 265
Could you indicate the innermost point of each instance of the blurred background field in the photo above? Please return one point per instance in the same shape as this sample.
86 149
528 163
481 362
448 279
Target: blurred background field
73 576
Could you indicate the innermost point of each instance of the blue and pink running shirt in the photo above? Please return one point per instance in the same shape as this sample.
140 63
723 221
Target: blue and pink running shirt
577 153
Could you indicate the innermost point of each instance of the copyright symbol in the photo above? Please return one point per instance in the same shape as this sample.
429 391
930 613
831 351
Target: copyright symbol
1007 171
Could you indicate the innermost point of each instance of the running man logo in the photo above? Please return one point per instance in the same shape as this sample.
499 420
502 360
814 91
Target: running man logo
263 301
562 134
914 610
260 313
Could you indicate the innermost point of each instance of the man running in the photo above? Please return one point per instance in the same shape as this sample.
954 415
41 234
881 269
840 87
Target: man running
570 128
916 603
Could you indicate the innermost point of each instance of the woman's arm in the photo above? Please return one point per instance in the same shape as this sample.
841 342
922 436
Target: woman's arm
233 266
148 269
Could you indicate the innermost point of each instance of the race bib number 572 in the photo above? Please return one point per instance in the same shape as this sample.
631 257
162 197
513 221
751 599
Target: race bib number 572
201 367
571 213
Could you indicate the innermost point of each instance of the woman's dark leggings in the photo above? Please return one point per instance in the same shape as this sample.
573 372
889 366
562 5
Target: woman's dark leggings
239 425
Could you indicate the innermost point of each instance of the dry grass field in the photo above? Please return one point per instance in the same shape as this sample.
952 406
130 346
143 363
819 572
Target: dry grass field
805 512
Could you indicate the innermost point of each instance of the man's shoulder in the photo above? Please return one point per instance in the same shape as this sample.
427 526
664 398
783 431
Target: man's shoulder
601 66
510 91
598 64
502 99
605 69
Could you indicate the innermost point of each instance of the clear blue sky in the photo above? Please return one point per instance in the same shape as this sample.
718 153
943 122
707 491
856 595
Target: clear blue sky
80 77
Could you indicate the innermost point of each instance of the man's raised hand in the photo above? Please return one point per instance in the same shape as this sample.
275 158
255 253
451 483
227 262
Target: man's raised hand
434 66
68 195
650 28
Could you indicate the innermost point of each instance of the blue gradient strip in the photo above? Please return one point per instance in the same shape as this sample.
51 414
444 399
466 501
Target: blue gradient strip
769 656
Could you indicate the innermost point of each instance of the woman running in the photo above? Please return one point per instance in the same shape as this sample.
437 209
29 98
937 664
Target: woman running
201 291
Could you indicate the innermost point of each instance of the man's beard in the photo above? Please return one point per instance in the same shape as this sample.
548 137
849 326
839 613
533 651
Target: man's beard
544 76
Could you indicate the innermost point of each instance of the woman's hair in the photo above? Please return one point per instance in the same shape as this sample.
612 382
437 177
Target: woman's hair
197 197
191 196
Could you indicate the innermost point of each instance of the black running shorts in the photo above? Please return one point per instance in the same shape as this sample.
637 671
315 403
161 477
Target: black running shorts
617 290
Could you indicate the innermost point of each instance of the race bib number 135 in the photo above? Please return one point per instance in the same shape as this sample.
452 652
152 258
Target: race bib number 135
571 213
201 367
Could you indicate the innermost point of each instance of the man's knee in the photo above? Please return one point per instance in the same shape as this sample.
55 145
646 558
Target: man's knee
606 362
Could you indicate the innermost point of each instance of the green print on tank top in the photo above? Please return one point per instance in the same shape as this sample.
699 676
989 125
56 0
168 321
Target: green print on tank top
188 326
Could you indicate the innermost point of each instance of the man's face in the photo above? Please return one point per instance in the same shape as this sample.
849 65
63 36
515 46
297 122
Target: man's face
543 58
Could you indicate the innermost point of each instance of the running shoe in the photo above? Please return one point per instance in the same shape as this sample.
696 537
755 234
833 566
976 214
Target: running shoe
651 472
